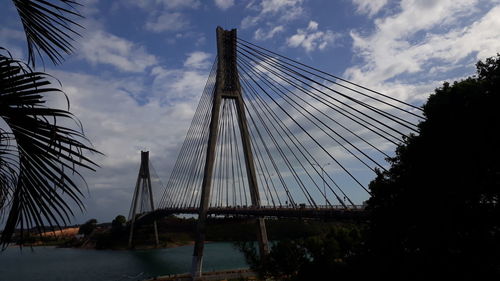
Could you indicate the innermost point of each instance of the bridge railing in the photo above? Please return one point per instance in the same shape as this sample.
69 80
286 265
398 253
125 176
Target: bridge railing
305 211
287 207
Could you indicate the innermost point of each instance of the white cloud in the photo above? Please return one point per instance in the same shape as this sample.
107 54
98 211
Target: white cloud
274 10
273 6
197 60
167 22
224 4
165 15
122 116
11 34
311 38
173 85
176 4
395 49
165 4
261 34
89 8
369 7
7 38
413 44
249 21
120 128
100 47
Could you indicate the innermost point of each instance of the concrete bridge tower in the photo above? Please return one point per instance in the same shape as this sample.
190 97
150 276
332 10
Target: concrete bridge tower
227 86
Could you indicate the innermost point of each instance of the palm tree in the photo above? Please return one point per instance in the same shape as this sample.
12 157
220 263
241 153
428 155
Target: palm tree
41 148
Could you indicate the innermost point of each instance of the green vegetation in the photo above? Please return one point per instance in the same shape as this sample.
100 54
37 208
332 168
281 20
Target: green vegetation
328 253
174 231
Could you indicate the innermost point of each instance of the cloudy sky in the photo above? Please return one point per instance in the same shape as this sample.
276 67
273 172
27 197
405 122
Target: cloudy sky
141 65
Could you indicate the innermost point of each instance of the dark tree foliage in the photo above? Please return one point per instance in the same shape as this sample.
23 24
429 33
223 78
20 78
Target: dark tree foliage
436 212
88 227
120 220
118 224
320 257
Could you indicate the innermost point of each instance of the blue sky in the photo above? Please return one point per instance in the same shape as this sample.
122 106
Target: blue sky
138 70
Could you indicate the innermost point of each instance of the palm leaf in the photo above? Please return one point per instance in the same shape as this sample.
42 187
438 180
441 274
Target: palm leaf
48 27
39 157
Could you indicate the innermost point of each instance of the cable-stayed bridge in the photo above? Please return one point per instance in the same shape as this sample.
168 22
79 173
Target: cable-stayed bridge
272 136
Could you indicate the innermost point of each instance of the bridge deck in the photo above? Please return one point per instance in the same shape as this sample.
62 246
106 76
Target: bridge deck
337 213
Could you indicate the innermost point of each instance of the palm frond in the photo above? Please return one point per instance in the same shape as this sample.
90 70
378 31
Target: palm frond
9 169
49 27
39 157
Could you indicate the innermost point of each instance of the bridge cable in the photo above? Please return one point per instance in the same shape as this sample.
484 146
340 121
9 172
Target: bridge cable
305 131
239 40
282 94
287 162
285 104
278 65
339 109
337 100
286 131
186 149
301 149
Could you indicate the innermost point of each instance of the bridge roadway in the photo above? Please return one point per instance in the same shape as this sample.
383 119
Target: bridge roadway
324 212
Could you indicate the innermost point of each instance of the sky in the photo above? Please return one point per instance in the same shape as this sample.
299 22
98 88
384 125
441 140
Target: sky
140 66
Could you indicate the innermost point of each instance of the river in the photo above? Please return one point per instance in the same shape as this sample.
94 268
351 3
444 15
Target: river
61 264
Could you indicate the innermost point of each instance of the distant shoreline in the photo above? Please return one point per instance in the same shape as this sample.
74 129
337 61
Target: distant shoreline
141 247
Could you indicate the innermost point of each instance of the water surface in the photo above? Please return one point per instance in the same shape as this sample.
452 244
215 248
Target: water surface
58 264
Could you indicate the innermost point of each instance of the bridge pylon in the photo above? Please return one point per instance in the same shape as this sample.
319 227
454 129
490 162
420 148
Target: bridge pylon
143 198
227 86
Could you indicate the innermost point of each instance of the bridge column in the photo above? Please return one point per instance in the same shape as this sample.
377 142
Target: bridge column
227 87
252 175
196 269
142 188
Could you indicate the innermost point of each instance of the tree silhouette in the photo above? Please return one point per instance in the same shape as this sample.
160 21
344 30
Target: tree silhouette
41 148
88 227
118 224
436 210
317 257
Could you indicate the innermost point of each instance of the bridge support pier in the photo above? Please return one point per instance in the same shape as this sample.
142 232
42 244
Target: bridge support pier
142 188
262 237
227 87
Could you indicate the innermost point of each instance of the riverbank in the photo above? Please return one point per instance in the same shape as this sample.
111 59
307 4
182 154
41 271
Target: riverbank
176 232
